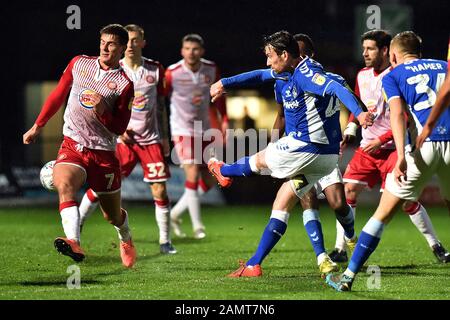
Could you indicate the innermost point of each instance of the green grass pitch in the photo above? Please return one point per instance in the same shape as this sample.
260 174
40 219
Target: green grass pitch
31 268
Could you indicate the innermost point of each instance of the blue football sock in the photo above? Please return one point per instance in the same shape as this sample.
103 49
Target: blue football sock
348 223
273 232
367 243
238 169
314 230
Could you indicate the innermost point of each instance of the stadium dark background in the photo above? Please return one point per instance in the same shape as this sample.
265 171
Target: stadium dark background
37 44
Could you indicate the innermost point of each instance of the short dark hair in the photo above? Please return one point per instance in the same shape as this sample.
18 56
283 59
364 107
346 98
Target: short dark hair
309 45
135 28
282 41
117 30
193 37
381 37
409 42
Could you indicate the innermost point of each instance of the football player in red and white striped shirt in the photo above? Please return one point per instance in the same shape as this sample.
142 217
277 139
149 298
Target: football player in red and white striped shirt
98 110
146 134
187 84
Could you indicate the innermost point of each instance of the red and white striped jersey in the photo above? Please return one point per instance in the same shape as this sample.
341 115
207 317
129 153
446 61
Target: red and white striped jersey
368 88
148 85
189 97
83 77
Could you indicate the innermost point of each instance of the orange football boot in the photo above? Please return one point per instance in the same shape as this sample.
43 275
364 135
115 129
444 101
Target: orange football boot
246 271
127 253
214 166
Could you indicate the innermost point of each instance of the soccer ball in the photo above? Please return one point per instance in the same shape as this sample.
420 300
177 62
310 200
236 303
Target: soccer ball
46 176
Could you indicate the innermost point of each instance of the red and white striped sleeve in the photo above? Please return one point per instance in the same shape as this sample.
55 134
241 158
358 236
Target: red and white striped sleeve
57 97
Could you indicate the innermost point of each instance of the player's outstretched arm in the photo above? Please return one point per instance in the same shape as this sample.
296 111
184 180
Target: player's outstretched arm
442 103
244 79
54 101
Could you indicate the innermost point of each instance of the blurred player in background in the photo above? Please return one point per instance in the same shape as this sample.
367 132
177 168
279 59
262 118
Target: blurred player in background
146 138
409 88
187 85
310 148
376 156
98 110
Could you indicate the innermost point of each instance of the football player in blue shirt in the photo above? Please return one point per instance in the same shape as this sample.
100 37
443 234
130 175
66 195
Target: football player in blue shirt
410 87
310 147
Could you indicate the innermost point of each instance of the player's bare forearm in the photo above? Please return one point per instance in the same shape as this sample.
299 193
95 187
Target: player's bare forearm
398 125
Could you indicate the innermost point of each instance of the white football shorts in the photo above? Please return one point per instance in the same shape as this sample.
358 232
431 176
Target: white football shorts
302 168
334 177
432 158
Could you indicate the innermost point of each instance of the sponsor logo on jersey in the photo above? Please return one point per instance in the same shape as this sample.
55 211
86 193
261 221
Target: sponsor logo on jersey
150 79
139 101
112 85
291 104
318 79
85 98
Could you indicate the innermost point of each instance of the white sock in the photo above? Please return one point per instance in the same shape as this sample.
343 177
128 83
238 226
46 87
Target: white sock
422 222
349 273
87 207
340 241
252 163
194 208
180 207
321 257
124 231
162 215
70 218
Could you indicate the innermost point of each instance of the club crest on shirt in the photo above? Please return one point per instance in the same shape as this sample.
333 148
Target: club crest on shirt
294 92
112 85
291 92
150 79
85 98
